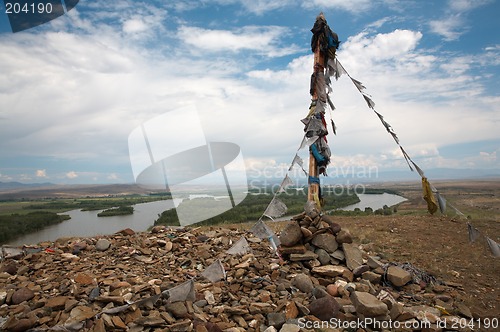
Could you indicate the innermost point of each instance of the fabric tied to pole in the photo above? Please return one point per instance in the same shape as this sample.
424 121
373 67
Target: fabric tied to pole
318 156
285 183
215 272
473 233
313 179
182 292
495 247
432 205
275 209
240 247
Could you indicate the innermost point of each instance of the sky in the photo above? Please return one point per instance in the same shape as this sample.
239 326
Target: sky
73 90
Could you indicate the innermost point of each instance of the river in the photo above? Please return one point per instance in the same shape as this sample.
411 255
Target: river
375 201
88 224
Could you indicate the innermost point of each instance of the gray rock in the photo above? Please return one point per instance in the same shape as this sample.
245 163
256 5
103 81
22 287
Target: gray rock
319 292
338 255
353 255
373 262
325 241
291 234
178 309
303 282
344 236
103 244
360 269
324 308
290 328
307 256
276 319
397 276
323 257
372 277
368 304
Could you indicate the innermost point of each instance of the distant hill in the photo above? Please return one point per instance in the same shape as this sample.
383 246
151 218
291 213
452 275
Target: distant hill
36 191
19 185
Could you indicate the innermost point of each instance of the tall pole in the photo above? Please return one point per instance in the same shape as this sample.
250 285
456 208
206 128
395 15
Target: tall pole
319 66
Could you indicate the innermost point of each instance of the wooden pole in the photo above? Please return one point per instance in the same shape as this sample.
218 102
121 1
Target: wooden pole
319 65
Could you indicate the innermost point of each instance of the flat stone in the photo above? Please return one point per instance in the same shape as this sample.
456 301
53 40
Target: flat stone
84 279
325 241
81 313
338 255
329 270
57 302
291 310
397 276
353 255
368 305
296 249
323 256
307 256
373 262
372 277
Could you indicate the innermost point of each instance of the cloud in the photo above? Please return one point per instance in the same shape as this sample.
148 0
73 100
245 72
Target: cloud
451 27
113 176
41 173
264 40
71 175
349 6
466 5
454 22
134 25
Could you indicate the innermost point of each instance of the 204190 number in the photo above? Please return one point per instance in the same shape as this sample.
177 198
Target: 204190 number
17 8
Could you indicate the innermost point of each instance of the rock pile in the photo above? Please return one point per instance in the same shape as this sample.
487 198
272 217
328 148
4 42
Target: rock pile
125 282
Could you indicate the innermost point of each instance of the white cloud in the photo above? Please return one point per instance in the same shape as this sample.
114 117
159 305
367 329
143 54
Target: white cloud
454 22
353 6
451 27
466 5
71 175
261 39
41 173
134 25
113 176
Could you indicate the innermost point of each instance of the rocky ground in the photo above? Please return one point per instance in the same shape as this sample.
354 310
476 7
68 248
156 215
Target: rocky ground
125 281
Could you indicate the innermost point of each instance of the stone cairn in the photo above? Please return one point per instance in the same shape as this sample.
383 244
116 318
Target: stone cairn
117 283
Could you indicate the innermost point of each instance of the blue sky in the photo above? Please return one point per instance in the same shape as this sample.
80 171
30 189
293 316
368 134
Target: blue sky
72 90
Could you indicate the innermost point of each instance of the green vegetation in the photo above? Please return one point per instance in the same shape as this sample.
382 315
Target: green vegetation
374 191
119 211
385 210
252 207
85 203
14 225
